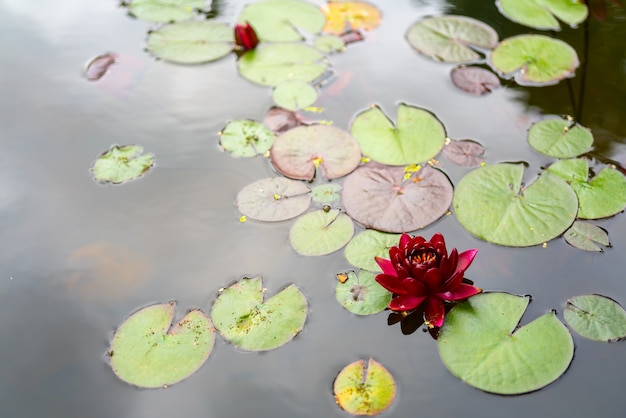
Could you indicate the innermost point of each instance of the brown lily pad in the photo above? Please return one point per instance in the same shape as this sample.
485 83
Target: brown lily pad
474 80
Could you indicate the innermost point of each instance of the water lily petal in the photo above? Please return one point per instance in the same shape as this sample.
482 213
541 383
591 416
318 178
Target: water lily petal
405 303
414 287
439 243
432 279
448 264
434 312
462 291
404 240
391 283
386 266
465 259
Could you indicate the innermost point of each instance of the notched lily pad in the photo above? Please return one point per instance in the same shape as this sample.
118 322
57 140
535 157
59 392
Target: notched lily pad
274 199
326 193
321 232
122 163
148 351
451 38
329 43
464 152
279 120
394 199
246 138
362 295
474 80
542 14
596 317
559 138
165 11
243 318
587 237
364 389
294 94
366 245
481 344
344 15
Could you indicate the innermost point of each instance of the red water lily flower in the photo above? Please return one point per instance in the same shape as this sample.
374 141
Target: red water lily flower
422 272
245 36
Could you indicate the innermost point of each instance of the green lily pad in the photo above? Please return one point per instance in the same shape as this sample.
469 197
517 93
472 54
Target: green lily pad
282 20
534 60
417 136
192 42
362 295
480 344
165 11
364 389
492 203
321 232
299 151
243 318
396 199
329 43
559 138
246 138
274 199
121 164
148 351
587 237
601 196
271 64
326 193
366 245
450 38
596 317
294 94
542 14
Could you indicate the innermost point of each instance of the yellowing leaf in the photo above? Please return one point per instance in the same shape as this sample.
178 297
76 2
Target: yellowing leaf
345 15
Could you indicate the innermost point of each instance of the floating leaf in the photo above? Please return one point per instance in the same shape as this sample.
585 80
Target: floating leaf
321 232
282 20
362 249
271 64
418 135
559 138
121 163
596 317
246 138
474 80
380 197
326 193
299 151
448 38
492 203
279 120
585 236
148 351
481 345
274 199
294 94
542 14
534 60
362 295
362 389
598 197
243 318
329 43
98 66
344 15
464 152
191 42
165 11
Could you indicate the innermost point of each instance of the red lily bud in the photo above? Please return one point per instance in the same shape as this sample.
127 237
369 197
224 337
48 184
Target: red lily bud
245 36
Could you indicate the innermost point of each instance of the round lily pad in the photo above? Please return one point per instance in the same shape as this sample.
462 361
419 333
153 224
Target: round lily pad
165 11
274 199
534 60
271 64
417 136
299 151
362 295
321 232
122 163
364 389
193 42
559 138
542 14
148 351
391 200
598 197
474 80
596 317
282 20
294 94
326 193
246 138
366 245
492 203
449 38
329 43
279 120
344 15
480 344
243 318
587 237
464 152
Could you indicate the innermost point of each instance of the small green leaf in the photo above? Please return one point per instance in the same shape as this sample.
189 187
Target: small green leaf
243 318
362 249
364 389
329 43
481 344
585 236
596 317
540 14
362 295
326 193
246 138
148 351
165 11
321 232
121 164
559 138
294 94
274 199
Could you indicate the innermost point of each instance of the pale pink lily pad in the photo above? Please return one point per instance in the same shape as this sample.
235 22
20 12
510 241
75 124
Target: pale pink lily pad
464 152
474 80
